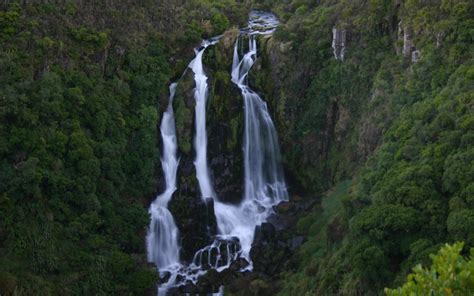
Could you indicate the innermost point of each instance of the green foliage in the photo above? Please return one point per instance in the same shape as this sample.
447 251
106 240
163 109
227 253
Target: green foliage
450 274
414 193
301 10
219 22
322 228
193 33
79 160
90 37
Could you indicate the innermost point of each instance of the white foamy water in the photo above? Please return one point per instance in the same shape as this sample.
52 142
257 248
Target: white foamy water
264 184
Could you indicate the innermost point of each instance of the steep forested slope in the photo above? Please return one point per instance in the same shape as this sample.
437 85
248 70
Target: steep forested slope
80 89
380 138
401 97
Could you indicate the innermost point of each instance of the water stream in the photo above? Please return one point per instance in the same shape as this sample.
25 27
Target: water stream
264 184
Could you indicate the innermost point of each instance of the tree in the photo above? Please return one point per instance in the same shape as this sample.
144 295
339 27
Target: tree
450 274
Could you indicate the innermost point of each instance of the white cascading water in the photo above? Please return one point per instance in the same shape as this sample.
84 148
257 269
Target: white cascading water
162 237
264 185
200 139
210 256
264 182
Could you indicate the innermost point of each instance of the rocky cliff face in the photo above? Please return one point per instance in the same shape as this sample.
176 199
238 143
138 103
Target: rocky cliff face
339 43
194 217
409 49
225 121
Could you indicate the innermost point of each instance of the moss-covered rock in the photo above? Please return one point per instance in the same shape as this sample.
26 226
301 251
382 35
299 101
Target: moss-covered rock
224 120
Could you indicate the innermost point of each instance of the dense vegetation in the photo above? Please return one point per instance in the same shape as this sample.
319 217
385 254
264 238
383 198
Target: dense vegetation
389 139
416 117
450 274
79 159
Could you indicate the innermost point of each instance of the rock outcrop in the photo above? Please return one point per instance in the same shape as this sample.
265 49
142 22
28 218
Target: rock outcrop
409 49
339 43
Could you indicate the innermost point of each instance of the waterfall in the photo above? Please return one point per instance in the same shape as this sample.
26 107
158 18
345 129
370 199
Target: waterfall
264 184
200 140
227 216
264 181
162 237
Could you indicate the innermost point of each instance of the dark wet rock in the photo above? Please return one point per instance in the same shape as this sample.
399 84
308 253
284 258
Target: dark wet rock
187 181
278 221
212 280
189 288
272 247
206 288
268 249
173 291
196 222
263 233
180 278
239 264
224 125
267 229
227 173
164 277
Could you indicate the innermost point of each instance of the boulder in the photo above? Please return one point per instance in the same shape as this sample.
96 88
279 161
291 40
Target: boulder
269 249
164 277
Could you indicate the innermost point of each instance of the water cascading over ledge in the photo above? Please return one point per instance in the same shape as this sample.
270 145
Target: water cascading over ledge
264 185
162 237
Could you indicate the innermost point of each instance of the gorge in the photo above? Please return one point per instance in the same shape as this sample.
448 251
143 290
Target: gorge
236 147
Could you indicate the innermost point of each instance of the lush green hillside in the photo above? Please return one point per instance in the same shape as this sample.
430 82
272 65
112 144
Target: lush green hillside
81 84
411 118
381 141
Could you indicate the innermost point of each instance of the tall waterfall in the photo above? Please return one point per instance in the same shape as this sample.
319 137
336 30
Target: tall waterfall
200 140
162 237
264 182
264 185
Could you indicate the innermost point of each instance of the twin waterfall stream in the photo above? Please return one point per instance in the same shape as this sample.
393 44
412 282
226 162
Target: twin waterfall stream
264 185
